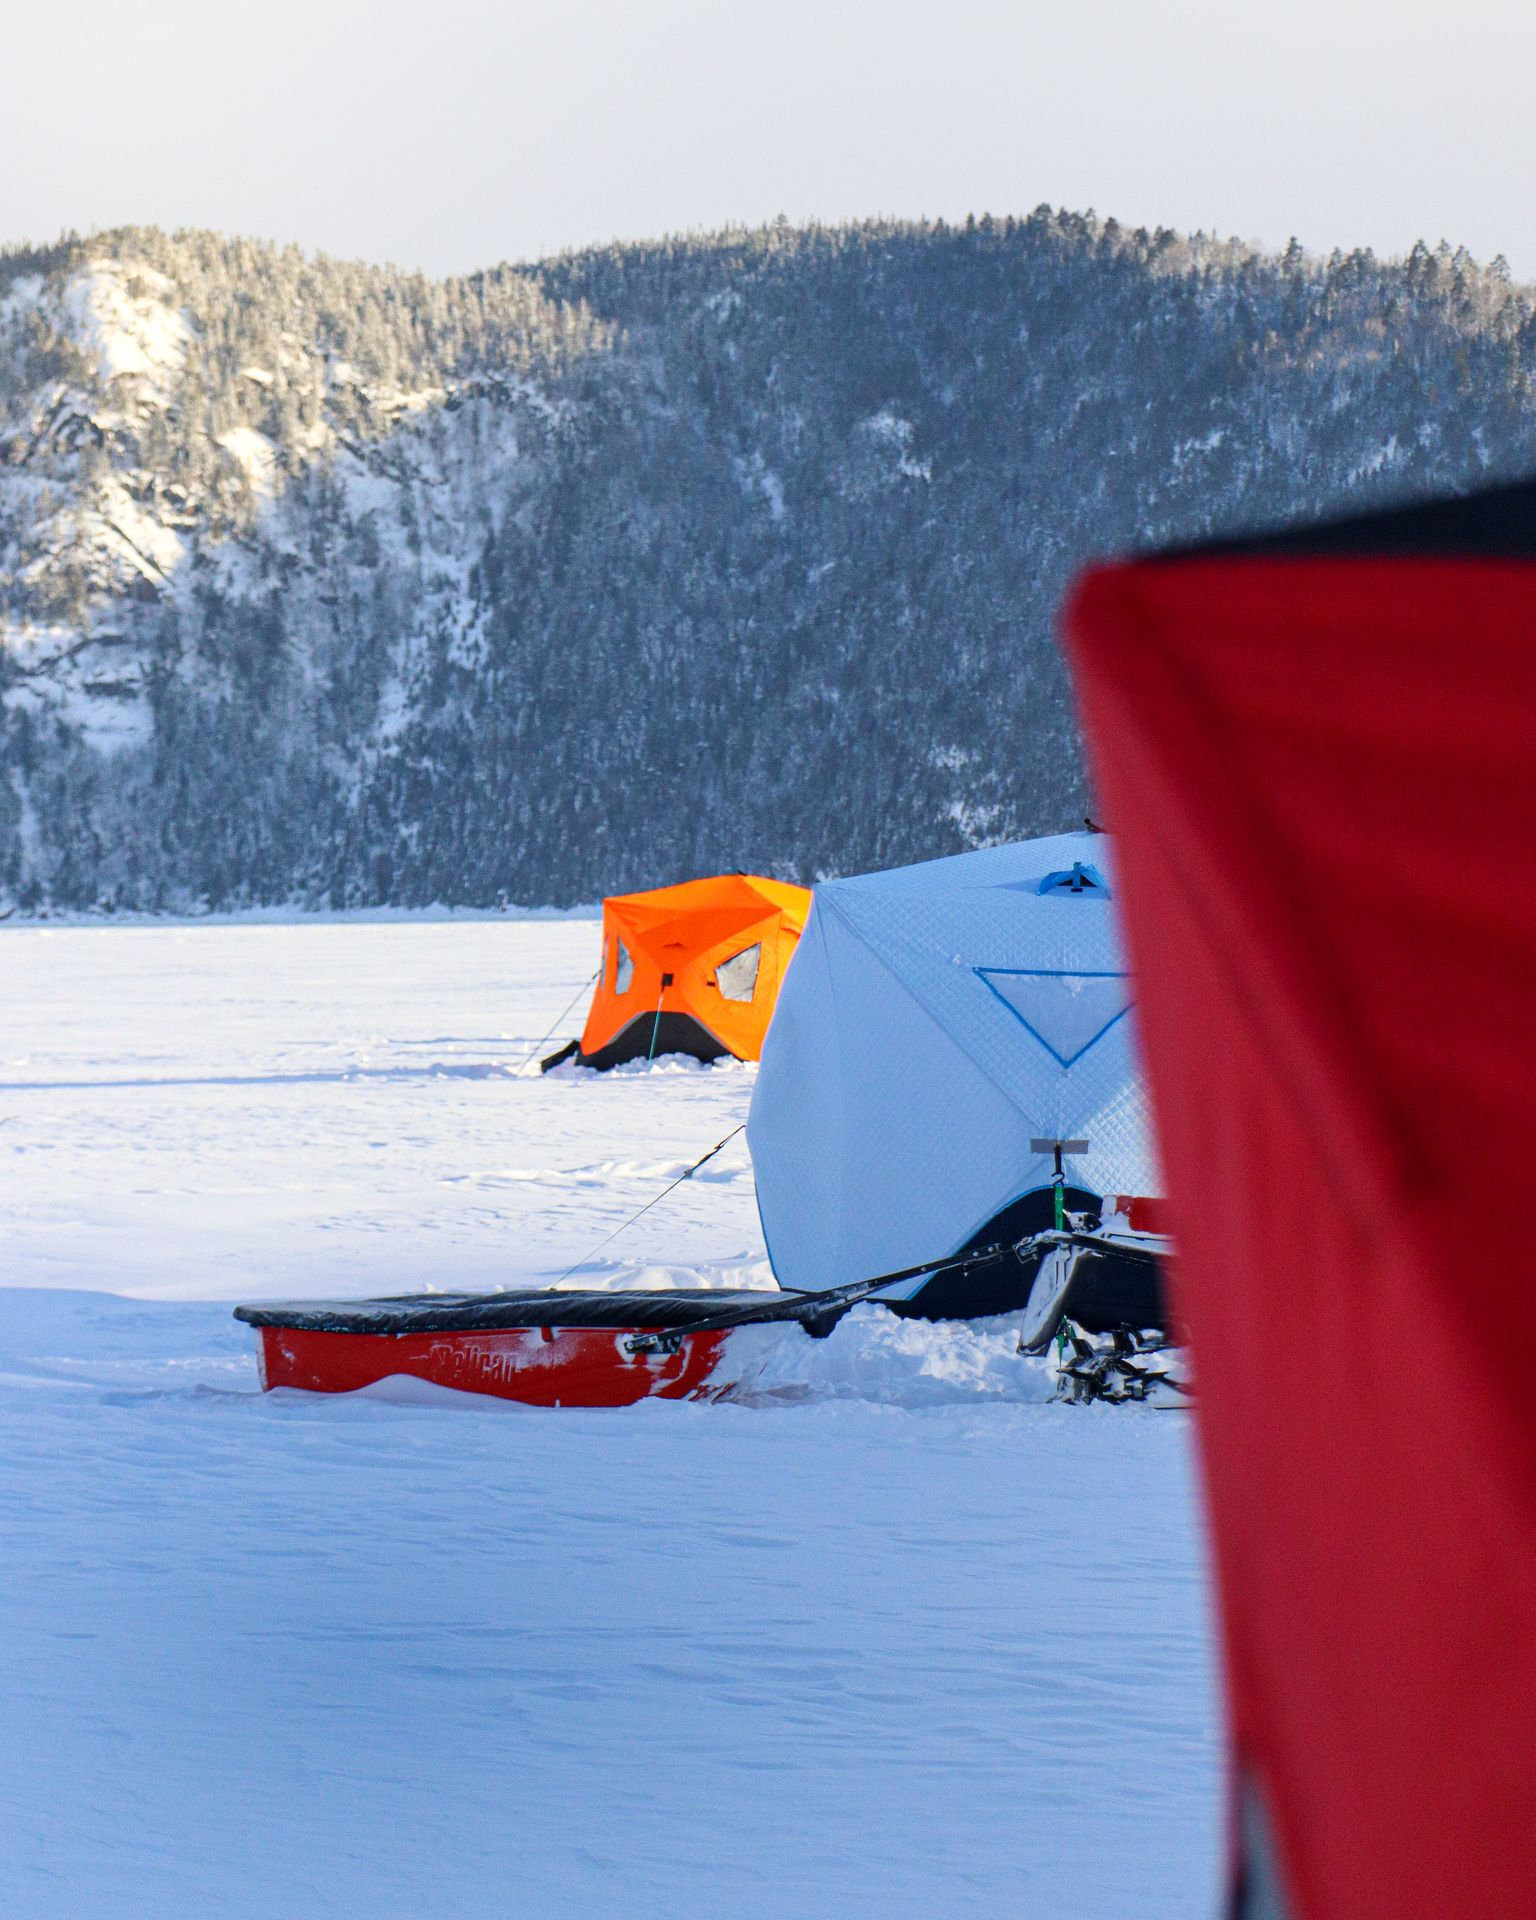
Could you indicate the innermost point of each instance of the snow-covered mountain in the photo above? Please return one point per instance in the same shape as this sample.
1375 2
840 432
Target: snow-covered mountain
327 582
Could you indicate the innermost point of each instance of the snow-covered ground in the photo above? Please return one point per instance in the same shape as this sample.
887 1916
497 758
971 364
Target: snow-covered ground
898 1638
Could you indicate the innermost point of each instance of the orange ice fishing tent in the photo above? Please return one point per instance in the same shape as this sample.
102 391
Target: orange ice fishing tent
690 969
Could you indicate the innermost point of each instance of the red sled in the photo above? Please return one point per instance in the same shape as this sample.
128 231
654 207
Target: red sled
541 1347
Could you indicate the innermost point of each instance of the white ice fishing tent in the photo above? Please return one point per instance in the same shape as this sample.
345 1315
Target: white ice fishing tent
934 1023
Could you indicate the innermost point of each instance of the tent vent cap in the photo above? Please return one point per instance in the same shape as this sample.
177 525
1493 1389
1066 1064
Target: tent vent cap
1078 879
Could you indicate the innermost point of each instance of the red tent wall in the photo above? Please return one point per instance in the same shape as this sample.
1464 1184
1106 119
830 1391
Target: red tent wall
1320 767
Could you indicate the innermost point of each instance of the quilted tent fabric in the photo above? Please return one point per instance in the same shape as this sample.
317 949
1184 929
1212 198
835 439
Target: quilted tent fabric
1318 756
935 1021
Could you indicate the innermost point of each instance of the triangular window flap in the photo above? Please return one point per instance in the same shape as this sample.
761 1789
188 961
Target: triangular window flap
623 968
1066 1012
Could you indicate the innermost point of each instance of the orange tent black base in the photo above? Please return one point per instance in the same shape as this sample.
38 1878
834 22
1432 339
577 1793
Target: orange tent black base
647 1037
650 1034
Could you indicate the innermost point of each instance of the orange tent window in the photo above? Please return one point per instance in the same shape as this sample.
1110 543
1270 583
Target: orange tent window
737 977
623 968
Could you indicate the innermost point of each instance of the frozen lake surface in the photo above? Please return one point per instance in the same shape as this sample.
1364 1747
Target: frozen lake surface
899 1639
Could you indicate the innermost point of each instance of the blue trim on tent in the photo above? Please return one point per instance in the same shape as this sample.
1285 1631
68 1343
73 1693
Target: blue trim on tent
984 974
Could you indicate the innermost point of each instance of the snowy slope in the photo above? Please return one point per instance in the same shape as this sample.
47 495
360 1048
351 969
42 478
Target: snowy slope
895 1639
331 584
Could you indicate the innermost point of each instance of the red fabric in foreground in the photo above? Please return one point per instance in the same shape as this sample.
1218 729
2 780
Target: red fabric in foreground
1321 773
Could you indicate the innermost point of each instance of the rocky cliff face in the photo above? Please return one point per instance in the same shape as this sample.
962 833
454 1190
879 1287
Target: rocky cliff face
330 584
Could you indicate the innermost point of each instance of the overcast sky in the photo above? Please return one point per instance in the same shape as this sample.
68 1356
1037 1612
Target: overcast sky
456 133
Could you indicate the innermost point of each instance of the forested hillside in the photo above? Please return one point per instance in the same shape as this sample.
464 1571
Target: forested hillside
331 584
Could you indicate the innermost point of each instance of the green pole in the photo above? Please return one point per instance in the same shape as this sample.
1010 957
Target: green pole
1056 1148
666 981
